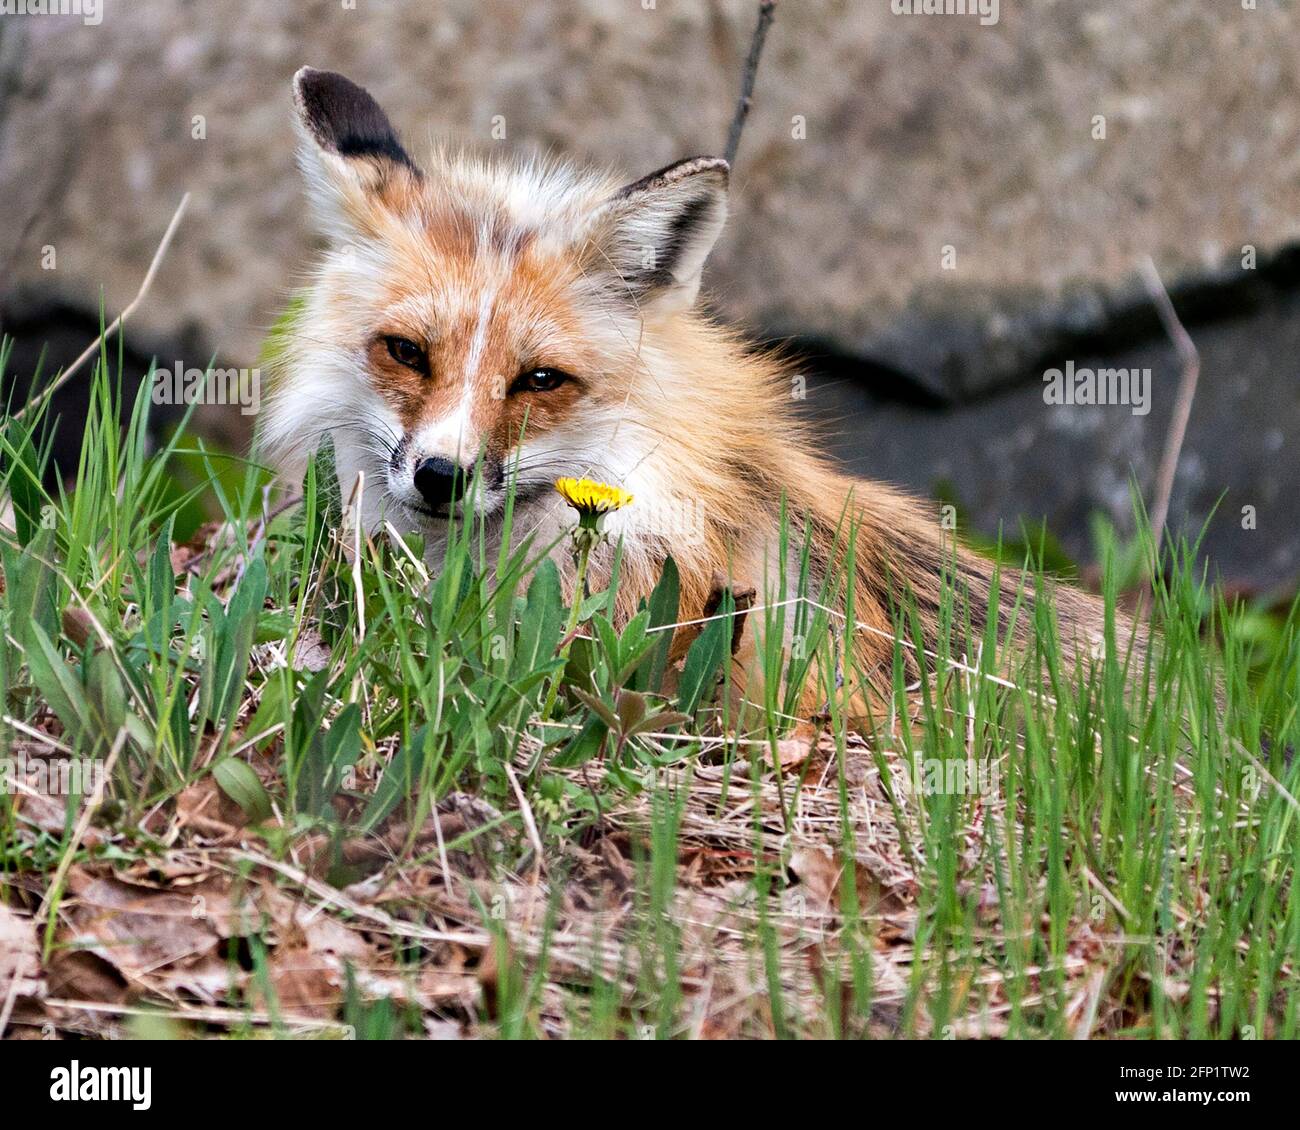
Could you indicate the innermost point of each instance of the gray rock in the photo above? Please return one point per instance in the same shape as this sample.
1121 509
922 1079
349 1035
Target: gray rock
1011 456
921 132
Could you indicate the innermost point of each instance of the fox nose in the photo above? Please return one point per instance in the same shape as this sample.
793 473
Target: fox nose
440 482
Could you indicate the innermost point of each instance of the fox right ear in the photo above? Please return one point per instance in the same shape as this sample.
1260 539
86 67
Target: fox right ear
656 232
349 151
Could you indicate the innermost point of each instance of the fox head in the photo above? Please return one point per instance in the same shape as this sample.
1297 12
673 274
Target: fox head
475 326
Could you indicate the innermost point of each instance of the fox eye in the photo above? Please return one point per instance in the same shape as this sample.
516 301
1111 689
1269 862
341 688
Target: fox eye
406 352
539 380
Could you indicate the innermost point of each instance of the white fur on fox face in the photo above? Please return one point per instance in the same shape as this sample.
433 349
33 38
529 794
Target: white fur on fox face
451 437
454 436
582 448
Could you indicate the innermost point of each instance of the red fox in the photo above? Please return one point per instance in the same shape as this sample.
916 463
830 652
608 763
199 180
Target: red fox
504 323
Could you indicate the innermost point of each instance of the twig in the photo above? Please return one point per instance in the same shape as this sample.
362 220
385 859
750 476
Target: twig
91 806
766 13
534 838
1191 360
203 1014
67 373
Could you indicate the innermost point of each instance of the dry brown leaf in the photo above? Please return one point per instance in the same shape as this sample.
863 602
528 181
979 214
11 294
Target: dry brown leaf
819 874
205 808
48 811
82 976
326 935
446 986
20 958
141 931
122 938
305 983
169 871
793 751
878 896
309 974
311 652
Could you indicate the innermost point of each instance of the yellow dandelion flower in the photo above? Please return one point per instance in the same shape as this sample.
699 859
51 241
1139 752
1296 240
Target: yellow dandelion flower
590 498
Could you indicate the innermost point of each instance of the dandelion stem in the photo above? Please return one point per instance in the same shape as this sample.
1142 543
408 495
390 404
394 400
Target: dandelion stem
582 555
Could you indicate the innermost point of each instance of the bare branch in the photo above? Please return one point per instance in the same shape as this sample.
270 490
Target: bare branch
1191 360
63 378
766 13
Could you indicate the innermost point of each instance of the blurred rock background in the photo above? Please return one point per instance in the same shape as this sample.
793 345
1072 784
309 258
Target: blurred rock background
930 210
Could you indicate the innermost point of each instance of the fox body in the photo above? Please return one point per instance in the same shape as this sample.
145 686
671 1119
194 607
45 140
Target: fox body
478 327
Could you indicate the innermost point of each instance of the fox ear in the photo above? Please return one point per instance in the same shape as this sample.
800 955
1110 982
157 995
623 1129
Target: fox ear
349 149
657 232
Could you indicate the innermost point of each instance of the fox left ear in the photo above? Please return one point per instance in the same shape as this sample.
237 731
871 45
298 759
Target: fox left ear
350 153
657 232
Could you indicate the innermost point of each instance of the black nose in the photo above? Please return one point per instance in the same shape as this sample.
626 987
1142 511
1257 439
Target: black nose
440 482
